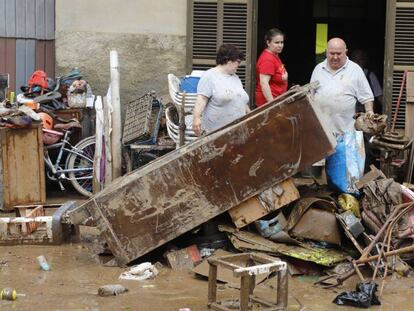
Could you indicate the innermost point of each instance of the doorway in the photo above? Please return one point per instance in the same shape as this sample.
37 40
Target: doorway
361 23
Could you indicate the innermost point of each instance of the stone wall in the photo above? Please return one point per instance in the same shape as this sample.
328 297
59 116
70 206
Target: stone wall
145 60
149 36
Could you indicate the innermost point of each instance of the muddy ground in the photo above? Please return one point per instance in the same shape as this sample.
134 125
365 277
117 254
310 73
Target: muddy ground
75 277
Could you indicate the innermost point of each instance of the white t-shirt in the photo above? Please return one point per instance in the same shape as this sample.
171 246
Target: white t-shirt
227 99
338 93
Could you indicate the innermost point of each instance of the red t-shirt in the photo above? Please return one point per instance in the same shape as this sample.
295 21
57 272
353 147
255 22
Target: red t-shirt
270 64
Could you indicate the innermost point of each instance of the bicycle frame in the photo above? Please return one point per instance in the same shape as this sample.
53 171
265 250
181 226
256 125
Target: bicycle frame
57 172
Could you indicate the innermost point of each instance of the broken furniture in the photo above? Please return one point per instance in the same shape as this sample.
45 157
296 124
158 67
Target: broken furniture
268 201
140 132
245 241
174 126
393 147
177 96
22 172
180 116
142 120
80 114
249 267
191 185
314 218
32 226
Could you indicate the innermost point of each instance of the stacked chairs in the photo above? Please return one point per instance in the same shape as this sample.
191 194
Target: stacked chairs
173 112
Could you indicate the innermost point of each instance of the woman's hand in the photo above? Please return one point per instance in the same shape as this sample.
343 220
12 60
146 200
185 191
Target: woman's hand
285 76
200 104
197 125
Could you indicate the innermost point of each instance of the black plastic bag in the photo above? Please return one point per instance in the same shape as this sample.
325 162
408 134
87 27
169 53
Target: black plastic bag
363 297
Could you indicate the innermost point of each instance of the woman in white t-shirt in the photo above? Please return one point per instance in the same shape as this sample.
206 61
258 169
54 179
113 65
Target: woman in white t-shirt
221 98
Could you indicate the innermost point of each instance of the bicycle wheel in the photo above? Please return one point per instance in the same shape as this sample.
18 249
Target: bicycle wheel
83 159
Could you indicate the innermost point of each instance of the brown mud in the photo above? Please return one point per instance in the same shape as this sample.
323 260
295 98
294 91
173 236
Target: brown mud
73 282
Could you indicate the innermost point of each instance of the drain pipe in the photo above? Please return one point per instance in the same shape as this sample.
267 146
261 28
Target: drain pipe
116 116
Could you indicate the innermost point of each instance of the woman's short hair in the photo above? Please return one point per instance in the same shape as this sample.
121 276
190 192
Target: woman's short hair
273 33
228 52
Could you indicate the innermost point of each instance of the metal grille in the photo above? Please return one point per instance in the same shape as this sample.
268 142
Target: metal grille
403 56
235 25
138 116
215 22
205 30
404 36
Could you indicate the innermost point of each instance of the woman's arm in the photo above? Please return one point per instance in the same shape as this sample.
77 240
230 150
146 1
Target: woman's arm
264 84
199 107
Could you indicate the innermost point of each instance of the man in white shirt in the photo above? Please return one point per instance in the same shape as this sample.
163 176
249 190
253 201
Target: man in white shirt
342 83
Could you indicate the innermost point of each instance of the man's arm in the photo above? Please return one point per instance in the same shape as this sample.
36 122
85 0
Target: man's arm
369 108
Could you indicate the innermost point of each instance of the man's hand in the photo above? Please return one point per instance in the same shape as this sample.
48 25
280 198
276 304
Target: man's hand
197 125
369 114
369 109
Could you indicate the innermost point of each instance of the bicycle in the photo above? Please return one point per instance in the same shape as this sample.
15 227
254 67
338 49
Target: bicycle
78 168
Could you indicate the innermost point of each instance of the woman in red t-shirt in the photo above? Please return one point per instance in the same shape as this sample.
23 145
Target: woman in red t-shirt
271 75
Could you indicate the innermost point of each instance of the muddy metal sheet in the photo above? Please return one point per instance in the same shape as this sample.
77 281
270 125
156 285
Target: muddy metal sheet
174 194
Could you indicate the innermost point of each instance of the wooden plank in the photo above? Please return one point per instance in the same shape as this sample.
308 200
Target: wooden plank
13 230
410 87
409 120
185 188
373 174
270 200
247 212
409 107
22 176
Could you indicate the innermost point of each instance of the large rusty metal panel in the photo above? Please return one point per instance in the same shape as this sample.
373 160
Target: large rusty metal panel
174 194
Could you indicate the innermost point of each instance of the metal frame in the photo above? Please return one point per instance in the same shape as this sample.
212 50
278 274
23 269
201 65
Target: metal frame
247 274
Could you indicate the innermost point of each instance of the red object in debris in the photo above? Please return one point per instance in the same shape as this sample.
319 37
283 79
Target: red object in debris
194 253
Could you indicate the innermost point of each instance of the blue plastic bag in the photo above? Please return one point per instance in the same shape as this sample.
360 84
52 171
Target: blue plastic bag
346 166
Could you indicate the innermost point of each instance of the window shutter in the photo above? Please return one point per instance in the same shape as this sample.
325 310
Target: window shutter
399 54
214 22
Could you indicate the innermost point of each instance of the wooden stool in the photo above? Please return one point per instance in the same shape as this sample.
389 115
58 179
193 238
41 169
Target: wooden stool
254 264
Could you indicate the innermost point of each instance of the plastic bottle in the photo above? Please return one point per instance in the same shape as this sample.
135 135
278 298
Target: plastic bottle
8 293
43 263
